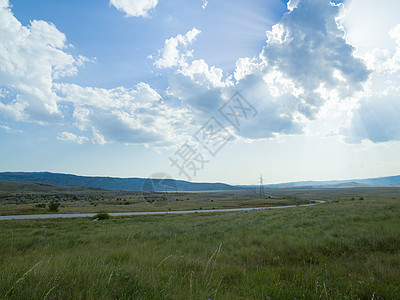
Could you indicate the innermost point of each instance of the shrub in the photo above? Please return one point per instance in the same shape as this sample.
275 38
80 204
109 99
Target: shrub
53 205
101 216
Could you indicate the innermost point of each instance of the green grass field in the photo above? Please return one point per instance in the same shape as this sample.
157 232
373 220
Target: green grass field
344 250
33 198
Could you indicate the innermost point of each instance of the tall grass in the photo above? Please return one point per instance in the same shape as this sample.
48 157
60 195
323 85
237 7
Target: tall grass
345 250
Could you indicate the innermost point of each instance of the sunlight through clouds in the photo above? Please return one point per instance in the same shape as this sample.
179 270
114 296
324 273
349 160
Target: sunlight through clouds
302 63
377 117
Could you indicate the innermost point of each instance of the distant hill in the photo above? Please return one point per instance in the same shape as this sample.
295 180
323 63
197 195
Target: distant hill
113 183
39 187
391 181
142 184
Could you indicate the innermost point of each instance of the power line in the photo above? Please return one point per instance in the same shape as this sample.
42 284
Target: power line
261 188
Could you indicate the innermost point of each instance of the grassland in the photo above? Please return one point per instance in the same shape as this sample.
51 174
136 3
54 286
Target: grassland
343 250
33 198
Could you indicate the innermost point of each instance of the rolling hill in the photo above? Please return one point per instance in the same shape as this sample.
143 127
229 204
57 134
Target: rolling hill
390 181
113 183
142 184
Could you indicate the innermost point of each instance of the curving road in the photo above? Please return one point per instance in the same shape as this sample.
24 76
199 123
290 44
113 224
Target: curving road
145 213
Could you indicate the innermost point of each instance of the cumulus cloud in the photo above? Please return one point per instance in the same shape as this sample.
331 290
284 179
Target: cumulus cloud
306 62
135 8
174 52
131 116
246 66
31 57
68 136
309 48
377 117
292 4
98 138
306 59
367 24
200 73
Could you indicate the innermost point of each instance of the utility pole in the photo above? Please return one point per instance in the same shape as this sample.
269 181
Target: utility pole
261 182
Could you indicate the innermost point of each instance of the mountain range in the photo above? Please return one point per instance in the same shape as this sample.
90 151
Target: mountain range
168 184
114 183
390 181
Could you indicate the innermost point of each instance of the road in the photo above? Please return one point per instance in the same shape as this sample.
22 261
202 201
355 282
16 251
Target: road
144 213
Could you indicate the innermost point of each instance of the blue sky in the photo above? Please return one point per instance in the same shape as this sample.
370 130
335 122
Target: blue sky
131 88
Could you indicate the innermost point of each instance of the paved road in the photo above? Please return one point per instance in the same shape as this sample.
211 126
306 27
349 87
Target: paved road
145 213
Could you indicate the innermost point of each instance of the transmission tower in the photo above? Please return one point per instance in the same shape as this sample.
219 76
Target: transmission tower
261 188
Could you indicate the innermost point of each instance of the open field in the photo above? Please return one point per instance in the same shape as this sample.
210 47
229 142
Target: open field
33 198
343 250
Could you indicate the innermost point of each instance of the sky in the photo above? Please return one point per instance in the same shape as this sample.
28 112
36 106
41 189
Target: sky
205 91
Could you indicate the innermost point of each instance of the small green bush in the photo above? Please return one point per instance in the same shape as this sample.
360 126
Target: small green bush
101 216
53 205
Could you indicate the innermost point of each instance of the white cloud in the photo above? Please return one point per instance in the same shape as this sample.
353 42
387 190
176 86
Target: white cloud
3 93
135 8
367 23
374 30
9 129
312 52
68 136
200 73
305 61
171 55
98 138
131 116
306 70
246 66
107 98
394 33
377 117
193 81
292 4
30 58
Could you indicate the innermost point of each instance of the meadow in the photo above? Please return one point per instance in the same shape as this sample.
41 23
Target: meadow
347 249
33 198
